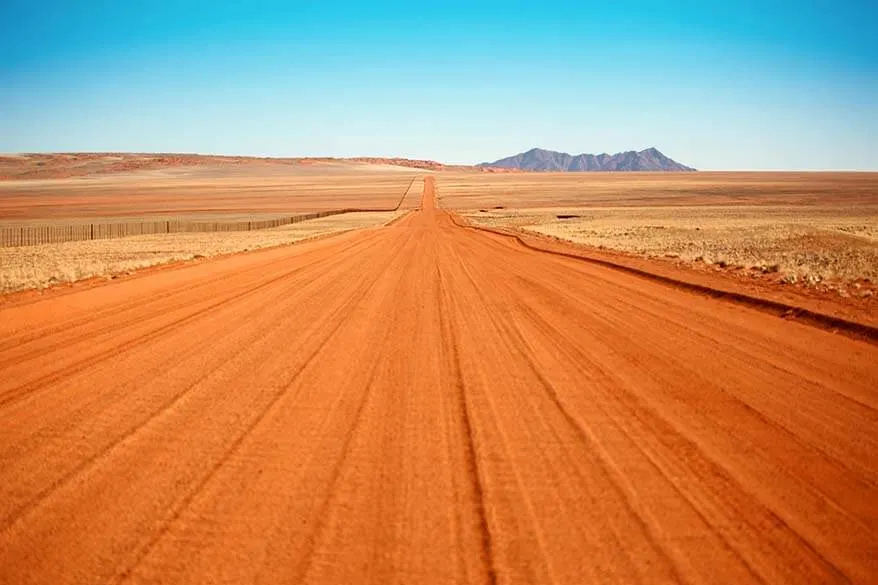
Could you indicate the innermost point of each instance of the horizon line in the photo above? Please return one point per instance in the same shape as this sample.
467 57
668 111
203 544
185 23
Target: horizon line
419 159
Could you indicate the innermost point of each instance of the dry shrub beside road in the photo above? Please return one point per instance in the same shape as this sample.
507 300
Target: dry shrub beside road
40 266
799 243
813 229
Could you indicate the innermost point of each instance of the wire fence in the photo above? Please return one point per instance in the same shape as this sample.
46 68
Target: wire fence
32 235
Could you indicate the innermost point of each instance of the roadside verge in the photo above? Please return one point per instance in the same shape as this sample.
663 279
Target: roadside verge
822 320
48 266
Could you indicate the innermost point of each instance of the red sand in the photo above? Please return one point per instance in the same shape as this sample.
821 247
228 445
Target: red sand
428 404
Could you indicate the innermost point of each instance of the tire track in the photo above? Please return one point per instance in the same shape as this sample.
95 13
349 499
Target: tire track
646 316
120 312
252 314
507 338
830 323
143 550
570 349
22 391
319 532
329 336
461 409
165 406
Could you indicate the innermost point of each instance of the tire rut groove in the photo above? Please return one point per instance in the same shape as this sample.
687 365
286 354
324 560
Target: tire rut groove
118 313
638 316
165 406
20 392
240 439
236 444
320 529
462 409
633 413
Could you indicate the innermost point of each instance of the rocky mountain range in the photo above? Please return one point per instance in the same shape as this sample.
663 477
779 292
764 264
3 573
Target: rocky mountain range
538 159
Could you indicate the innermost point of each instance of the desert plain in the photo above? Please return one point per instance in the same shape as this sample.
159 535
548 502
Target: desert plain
479 378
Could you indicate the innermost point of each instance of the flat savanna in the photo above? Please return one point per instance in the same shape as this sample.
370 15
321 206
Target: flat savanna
801 236
193 194
428 401
812 233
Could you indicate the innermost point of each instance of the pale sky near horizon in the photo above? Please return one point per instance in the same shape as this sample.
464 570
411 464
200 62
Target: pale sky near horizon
714 85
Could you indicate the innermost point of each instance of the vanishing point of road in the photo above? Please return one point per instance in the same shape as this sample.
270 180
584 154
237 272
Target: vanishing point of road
426 403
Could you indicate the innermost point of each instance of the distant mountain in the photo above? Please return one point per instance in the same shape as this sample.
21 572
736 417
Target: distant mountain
538 159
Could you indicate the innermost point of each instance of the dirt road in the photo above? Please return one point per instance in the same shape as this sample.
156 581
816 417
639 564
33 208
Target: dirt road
424 403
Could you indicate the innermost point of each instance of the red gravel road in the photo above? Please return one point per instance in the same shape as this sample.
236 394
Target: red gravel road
423 403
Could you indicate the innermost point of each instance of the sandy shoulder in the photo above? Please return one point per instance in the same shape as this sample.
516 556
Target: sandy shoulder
48 264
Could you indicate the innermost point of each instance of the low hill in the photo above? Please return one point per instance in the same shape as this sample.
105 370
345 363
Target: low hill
538 159
81 164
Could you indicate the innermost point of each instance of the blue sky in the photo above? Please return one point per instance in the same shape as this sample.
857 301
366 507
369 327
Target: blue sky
716 85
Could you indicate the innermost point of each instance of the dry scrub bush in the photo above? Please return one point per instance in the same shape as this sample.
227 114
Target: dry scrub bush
805 244
40 266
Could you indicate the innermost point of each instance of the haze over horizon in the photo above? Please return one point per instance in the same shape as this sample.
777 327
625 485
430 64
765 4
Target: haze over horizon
745 86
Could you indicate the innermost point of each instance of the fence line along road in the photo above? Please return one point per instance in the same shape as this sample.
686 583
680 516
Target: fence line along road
32 235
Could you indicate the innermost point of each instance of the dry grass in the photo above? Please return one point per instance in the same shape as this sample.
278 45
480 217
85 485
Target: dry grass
813 244
799 227
41 266
520 190
203 192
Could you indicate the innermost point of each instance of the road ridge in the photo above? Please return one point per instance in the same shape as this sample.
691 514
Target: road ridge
823 321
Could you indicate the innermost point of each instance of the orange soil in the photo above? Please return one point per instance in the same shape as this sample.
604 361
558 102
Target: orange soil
428 404
65 165
523 190
857 309
59 200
